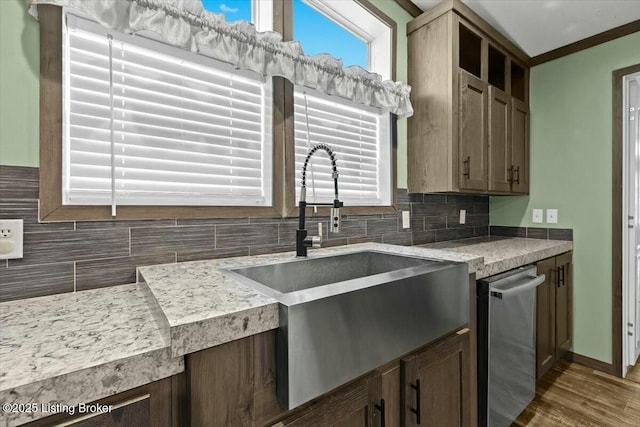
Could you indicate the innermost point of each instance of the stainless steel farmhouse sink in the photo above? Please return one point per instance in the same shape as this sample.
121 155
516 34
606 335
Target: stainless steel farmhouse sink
344 315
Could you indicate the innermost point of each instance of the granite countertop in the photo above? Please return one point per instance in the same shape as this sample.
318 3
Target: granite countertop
205 306
504 253
79 347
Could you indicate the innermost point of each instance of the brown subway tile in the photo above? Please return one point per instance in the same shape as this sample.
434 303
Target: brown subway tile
417 223
561 234
229 236
214 221
435 222
364 239
270 249
61 246
156 240
100 273
402 238
453 221
382 226
27 210
423 237
454 234
499 230
197 255
35 280
100 225
537 233
481 231
19 182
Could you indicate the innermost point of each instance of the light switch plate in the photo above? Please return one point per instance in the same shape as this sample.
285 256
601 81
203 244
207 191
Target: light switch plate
552 216
406 219
11 238
537 216
463 216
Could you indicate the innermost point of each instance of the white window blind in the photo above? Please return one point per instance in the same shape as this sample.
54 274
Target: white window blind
361 138
187 129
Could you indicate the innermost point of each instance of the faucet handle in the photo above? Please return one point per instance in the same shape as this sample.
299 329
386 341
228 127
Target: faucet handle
315 241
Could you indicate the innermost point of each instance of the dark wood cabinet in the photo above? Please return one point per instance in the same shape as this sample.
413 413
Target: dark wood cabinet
553 312
436 384
470 129
146 406
233 384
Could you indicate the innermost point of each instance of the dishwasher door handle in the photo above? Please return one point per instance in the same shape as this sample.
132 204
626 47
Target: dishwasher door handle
506 293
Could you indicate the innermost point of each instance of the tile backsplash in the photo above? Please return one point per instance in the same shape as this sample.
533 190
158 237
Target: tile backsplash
79 255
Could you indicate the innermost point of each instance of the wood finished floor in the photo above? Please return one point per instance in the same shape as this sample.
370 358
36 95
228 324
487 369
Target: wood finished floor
573 395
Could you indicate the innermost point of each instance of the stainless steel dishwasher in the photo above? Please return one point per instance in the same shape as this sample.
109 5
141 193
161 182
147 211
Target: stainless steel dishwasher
506 345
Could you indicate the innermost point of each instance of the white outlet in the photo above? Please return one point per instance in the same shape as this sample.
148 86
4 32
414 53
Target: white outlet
10 238
463 216
552 216
406 219
537 216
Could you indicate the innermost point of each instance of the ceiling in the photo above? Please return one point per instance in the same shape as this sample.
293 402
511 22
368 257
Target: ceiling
538 26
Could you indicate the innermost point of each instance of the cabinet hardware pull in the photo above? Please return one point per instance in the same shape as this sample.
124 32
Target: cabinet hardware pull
563 276
467 167
517 175
557 277
380 408
416 410
510 175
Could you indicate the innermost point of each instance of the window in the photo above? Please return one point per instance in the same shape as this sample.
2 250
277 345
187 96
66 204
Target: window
346 29
259 12
360 136
187 130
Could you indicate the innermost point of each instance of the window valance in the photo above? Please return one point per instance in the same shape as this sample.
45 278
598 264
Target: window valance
187 24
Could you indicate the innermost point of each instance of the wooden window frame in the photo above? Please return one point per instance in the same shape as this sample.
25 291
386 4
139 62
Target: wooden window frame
284 25
283 187
51 123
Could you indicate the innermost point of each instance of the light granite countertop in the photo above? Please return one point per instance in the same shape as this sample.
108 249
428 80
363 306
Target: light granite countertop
78 347
504 253
205 306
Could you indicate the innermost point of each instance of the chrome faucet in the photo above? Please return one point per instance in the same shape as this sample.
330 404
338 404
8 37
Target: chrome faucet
302 241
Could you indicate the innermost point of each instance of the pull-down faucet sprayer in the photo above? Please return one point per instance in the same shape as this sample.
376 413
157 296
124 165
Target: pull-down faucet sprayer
302 241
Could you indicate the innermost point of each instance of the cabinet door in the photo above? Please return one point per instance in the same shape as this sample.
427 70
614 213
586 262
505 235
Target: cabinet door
520 146
384 397
500 168
146 406
347 407
564 314
436 384
546 317
472 133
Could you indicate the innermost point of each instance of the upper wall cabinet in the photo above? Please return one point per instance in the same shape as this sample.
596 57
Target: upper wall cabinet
470 93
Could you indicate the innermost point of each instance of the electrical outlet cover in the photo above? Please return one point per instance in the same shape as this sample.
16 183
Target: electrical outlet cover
11 238
463 216
537 216
552 216
406 219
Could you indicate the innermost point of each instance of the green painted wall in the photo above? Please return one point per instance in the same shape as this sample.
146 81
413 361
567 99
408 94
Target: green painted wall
19 71
402 17
571 170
